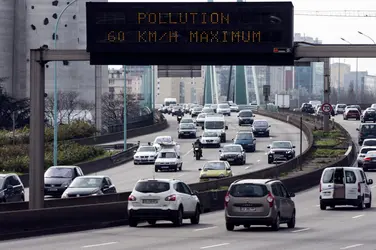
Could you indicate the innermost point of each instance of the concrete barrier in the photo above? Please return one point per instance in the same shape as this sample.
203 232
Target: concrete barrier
68 215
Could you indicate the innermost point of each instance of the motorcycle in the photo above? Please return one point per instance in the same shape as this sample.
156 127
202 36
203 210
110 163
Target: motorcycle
197 153
179 118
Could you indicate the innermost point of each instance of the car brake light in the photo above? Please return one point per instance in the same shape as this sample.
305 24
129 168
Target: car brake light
367 159
359 187
227 198
171 198
131 198
270 199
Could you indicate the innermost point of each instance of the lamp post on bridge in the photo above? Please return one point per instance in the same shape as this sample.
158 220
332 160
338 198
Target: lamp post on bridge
370 38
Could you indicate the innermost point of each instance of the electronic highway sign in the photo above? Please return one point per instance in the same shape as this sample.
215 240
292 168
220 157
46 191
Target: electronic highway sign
190 33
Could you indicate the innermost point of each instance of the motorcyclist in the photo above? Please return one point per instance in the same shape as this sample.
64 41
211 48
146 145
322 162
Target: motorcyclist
198 144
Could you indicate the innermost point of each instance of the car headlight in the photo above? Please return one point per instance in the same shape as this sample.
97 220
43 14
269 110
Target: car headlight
203 175
288 152
271 152
239 155
221 175
65 195
65 184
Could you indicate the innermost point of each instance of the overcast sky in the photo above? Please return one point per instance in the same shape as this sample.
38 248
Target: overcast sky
329 29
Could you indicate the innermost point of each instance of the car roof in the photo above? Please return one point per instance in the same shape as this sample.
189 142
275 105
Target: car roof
281 141
231 145
254 181
345 167
371 139
260 121
187 118
6 175
367 147
161 180
62 166
93 176
168 150
214 161
246 110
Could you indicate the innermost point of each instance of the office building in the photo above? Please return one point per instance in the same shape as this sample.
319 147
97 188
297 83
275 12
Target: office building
369 86
116 82
29 25
338 71
353 84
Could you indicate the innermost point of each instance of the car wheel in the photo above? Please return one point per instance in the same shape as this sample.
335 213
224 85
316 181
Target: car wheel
152 222
361 204
178 220
132 222
181 167
196 218
369 204
291 223
176 169
270 161
276 223
243 163
156 169
247 226
322 206
230 226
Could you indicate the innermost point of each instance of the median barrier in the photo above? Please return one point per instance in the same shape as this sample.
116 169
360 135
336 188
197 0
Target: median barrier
142 128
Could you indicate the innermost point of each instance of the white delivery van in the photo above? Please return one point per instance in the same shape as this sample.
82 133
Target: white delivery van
216 123
345 186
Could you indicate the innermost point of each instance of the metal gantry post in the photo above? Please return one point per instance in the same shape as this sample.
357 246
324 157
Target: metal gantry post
36 145
326 92
125 109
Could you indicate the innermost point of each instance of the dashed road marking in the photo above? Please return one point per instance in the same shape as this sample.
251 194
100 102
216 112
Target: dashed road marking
358 216
301 230
100 245
212 246
188 152
352 246
203 229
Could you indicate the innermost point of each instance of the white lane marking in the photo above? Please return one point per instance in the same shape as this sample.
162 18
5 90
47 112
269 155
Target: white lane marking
301 230
358 216
205 228
258 160
218 245
352 246
266 153
374 186
271 138
317 205
188 152
180 175
247 167
100 245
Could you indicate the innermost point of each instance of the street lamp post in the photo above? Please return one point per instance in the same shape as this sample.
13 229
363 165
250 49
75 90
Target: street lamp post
370 38
125 109
356 73
55 83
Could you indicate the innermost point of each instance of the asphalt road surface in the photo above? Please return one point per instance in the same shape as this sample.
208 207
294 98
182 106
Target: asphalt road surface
125 176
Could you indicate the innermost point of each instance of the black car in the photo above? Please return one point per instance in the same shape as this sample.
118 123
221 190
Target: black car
11 188
261 128
280 151
307 108
245 117
366 131
58 178
233 154
89 186
368 115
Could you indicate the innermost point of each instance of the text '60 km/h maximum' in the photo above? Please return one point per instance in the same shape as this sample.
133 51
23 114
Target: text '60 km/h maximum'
188 37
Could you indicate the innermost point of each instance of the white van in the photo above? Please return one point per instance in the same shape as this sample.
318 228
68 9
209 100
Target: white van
217 124
345 186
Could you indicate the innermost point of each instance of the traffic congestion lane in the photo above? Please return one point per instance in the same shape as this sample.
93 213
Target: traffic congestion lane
341 228
126 175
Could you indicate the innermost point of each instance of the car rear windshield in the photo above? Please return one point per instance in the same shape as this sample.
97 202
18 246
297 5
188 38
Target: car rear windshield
369 129
244 136
365 150
215 166
152 186
354 111
59 173
333 175
342 106
167 155
248 190
246 114
369 143
224 106
260 123
187 125
146 149
197 109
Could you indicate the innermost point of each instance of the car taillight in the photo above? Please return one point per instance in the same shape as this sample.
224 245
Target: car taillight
227 198
270 199
131 198
359 187
171 198
367 159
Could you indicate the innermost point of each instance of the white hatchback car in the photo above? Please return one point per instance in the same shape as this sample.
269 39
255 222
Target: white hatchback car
163 199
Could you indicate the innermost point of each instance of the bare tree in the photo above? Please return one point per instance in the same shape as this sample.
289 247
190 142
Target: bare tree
113 108
69 107
351 94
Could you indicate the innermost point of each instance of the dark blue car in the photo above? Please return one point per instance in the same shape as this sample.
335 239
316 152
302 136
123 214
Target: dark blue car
246 140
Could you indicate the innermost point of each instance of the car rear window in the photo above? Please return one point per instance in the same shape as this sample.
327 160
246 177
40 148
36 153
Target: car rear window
248 190
365 150
152 186
328 176
369 143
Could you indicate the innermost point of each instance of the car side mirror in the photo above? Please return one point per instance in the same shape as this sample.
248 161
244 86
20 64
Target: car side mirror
178 157
270 126
194 192
220 150
370 182
200 169
268 146
134 151
9 187
226 127
232 139
105 187
254 139
291 195
253 116
357 129
202 127
228 169
293 146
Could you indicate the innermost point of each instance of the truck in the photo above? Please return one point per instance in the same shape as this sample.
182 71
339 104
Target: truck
282 101
168 101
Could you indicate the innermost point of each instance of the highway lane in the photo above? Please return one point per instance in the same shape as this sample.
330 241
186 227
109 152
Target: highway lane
125 176
341 228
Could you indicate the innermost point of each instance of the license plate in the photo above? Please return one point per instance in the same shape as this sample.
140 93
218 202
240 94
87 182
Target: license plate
150 201
247 209
261 132
326 194
52 189
165 167
186 133
230 159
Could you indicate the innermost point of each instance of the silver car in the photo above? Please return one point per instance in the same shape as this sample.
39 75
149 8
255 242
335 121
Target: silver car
259 202
224 109
362 153
210 139
187 130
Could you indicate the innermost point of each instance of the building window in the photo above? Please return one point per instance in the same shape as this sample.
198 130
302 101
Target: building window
111 81
111 89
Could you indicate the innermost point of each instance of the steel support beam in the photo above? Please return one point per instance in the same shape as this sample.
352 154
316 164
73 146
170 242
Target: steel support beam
241 86
36 145
326 126
208 91
335 50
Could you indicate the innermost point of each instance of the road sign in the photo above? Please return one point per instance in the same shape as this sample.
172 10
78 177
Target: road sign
326 108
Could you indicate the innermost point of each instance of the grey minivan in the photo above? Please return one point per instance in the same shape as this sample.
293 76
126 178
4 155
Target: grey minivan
259 202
